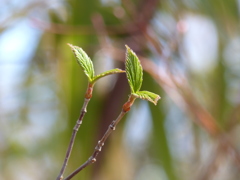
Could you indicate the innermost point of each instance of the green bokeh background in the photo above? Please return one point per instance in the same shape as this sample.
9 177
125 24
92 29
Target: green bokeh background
49 97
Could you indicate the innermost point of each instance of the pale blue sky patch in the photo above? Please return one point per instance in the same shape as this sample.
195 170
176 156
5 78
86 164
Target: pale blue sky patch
138 127
17 46
179 132
200 43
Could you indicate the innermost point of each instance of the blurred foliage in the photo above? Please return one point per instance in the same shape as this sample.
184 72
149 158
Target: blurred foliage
191 134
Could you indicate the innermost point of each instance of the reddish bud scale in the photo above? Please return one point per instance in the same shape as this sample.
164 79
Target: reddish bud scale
88 94
127 106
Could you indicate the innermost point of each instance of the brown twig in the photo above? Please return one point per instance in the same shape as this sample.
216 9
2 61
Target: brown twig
100 144
88 96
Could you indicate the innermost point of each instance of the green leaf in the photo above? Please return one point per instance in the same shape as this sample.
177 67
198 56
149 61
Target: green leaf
133 70
152 97
84 61
112 71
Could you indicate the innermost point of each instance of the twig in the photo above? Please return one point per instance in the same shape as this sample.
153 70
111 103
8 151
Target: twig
88 96
111 128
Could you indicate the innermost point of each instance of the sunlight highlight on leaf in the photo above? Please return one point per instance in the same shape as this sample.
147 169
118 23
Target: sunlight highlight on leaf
133 70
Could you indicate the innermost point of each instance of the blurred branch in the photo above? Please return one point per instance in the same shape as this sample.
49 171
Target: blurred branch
57 28
18 13
182 89
142 20
100 30
225 146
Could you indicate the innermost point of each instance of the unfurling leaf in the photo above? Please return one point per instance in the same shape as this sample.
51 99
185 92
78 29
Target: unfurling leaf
112 71
133 70
135 77
84 61
152 97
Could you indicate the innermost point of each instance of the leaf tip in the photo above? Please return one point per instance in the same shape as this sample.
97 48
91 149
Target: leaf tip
83 60
129 50
155 101
71 46
149 96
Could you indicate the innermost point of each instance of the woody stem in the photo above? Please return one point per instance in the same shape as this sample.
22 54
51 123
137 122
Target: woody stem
88 96
100 144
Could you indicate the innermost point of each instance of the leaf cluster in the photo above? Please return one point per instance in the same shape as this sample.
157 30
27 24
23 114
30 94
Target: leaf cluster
86 64
133 71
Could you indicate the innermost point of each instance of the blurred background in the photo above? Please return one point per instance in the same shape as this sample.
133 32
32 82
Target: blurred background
190 52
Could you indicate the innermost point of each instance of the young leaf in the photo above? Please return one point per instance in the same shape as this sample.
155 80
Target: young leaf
112 71
133 70
152 97
84 61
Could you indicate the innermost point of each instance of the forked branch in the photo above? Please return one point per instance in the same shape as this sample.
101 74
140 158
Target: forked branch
100 144
135 77
86 64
